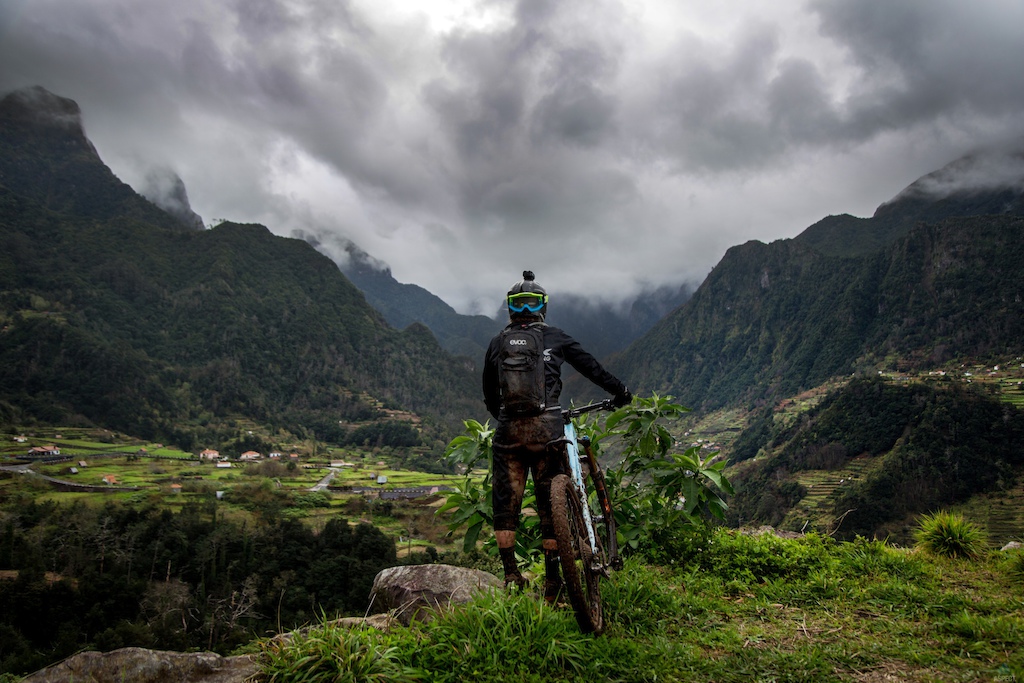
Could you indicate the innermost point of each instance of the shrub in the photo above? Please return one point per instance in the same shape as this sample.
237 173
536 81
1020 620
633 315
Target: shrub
332 653
753 558
950 535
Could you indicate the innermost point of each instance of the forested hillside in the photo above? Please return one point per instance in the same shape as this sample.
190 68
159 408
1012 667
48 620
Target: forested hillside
140 325
602 327
931 283
773 319
898 449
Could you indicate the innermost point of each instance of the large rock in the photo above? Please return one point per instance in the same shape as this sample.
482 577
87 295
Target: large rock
400 594
139 665
418 592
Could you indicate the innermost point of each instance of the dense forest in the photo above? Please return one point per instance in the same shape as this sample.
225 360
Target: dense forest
77 577
930 444
113 313
772 320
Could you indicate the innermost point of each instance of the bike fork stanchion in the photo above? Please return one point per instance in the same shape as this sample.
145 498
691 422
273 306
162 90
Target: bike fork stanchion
576 476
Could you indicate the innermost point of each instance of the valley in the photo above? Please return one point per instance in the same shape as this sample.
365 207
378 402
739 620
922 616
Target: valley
98 467
230 437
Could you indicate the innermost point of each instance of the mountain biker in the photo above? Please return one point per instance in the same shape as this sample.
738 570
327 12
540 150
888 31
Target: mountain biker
528 443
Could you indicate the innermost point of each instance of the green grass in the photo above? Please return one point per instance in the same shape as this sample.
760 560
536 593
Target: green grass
199 482
738 608
950 535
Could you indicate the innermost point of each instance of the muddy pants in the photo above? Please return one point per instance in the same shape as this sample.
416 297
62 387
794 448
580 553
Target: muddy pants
523 446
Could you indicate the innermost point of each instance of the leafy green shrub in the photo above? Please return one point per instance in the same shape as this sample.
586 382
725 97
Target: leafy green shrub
950 535
653 489
756 558
678 545
501 637
332 654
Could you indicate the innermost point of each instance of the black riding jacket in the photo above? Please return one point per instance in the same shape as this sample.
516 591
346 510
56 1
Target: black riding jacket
559 348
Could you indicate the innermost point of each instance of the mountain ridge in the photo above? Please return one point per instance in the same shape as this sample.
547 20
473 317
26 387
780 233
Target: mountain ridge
786 316
150 326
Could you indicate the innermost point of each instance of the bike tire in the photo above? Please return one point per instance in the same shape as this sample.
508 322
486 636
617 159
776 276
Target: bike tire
580 578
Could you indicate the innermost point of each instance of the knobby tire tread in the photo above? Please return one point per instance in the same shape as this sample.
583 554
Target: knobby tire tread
580 580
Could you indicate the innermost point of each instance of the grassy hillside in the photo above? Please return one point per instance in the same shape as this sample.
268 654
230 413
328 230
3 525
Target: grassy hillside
729 607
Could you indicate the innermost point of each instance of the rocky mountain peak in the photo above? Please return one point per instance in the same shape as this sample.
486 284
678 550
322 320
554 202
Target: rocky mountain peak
37 107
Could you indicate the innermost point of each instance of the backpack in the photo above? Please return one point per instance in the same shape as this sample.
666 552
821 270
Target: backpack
521 370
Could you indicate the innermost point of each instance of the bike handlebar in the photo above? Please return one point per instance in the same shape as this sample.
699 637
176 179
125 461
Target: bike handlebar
606 404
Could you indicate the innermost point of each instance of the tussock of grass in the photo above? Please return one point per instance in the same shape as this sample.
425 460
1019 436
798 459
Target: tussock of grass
741 608
334 654
950 535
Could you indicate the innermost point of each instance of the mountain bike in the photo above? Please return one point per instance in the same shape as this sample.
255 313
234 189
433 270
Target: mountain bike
585 532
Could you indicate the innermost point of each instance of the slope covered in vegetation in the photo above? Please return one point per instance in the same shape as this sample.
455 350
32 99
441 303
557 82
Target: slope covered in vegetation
113 313
774 319
725 607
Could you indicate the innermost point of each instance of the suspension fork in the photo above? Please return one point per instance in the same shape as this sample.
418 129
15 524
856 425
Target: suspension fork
576 475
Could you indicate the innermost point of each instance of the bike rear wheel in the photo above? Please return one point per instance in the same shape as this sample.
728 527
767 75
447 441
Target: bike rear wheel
580 574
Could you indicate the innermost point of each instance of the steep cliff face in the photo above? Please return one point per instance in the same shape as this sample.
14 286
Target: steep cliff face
771 320
48 158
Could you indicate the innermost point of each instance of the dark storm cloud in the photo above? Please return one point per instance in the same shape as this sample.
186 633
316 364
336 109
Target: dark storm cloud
925 61
523 105
646 138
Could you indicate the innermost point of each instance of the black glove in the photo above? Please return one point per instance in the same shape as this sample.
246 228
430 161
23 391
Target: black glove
622 399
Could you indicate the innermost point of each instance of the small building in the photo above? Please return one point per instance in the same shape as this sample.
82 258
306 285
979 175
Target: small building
109 480
209 454
43 451
21 439
249 456
275 456
224 465
175 488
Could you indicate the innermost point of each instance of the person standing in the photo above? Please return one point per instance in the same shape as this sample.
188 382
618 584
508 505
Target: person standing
521 383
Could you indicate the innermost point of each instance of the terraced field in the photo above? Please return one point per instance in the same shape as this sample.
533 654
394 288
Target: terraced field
1001 514
814 510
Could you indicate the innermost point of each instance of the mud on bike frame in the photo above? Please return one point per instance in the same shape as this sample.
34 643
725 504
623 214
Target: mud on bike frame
585 555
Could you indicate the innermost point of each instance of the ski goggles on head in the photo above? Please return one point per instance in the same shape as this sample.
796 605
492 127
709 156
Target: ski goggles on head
526 301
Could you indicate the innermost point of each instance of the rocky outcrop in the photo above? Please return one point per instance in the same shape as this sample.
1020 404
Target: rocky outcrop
399 595
418 592
139 665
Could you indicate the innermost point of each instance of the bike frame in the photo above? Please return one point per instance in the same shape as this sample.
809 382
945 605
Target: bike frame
572 452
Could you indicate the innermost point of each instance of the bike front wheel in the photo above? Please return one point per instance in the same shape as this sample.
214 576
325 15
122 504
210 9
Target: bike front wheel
580 574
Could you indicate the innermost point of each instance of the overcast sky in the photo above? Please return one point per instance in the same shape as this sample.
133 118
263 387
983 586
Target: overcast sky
607 145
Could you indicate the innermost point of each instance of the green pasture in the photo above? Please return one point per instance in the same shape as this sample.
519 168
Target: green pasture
411 523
